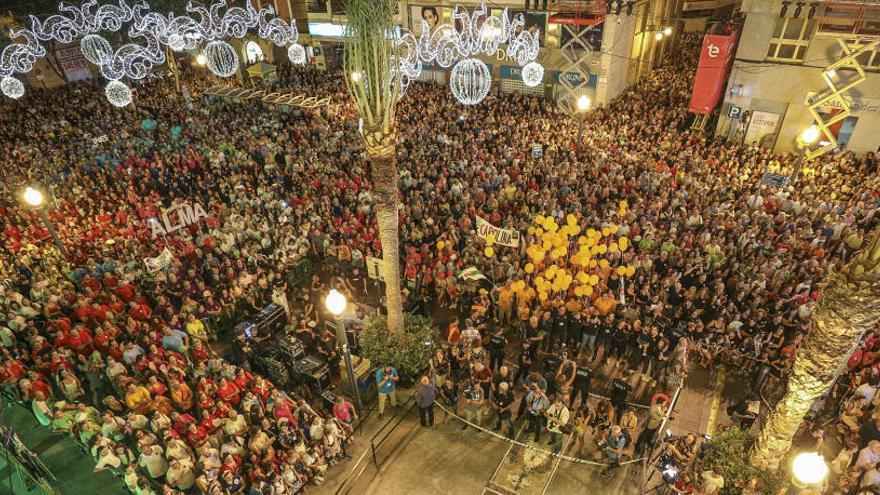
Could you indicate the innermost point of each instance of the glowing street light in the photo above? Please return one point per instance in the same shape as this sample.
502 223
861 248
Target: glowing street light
201 59
336 304
33 197
809 468
667 31
810 135
583 103
658 36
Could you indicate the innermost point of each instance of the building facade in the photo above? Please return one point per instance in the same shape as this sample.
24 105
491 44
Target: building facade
780 70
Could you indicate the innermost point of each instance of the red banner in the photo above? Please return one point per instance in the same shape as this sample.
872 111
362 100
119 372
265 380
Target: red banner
711 78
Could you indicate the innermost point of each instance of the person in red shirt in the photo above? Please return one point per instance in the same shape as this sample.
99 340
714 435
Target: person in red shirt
229 392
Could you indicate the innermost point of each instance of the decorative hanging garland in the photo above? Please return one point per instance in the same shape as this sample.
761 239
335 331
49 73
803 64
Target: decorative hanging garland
96 49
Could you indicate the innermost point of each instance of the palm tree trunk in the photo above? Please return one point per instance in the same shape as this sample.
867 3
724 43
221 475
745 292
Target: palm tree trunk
380 146
849 307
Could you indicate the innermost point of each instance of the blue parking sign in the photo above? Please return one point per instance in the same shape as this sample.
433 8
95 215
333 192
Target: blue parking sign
733 112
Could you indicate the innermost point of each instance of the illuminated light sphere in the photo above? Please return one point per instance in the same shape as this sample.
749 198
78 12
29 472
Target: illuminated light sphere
118 94
96 49
222 59
177 42
297 54
810 135
32 196
12 87
667 31
532 74
470 81
335 302
201 59
809 468
658 36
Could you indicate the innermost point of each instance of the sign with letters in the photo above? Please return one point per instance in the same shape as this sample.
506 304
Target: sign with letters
537 151
176 218
734 112
374 268
505 237
159 262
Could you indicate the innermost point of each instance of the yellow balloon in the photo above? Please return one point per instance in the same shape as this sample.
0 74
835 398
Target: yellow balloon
593 263
588 290
630 271
621 270
547 223
591 232
554 227
582 277
531 230
603 263
578 291
570 219
602 248
538 257
539 281
547 245
539 232
489 252
613 247
606 232
613 229
594 279
440 244
582 240
623 243
529 268
542 296
594 249
539 219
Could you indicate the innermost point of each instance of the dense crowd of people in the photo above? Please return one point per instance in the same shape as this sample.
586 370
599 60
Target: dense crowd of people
727 268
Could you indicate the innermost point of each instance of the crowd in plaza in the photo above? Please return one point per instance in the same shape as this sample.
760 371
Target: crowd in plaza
727 268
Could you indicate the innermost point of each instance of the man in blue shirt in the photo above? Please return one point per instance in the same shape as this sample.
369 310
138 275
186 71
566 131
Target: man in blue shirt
386 383
175 340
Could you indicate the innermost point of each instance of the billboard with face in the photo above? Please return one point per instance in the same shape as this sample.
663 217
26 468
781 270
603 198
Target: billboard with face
431 14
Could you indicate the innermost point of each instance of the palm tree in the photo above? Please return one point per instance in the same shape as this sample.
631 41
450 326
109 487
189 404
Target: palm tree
849 307
371 60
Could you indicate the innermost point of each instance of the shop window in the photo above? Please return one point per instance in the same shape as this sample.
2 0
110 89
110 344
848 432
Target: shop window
790 39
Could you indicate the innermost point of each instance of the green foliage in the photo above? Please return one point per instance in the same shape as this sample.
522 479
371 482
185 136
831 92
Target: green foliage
405 351
729 450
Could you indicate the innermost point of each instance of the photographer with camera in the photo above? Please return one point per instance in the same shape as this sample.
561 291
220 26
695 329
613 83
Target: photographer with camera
684 449
612 448
557 418
473 403
537 403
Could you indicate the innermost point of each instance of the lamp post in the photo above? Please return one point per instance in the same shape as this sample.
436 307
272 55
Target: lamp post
336 303
35 198
808 137
809 469
583 103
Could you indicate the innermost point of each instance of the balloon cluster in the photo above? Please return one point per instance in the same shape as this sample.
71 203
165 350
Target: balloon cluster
568 259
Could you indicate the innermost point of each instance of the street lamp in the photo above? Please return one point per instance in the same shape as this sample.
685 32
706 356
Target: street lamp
336 304
658 36
805 140
583 104
35 199
667 31
809 468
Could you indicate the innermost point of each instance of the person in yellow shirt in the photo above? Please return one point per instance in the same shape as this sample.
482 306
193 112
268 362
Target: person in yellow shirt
505 303
138 398
195 328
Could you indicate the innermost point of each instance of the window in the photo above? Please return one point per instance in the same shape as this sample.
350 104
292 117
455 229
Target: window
254 52
790 39
870 60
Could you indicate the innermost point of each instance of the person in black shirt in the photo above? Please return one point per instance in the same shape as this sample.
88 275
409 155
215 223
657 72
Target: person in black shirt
603 336
449 393
504 406
495 347
575 328
588 336
559 331
583 377
619 336
524 362
619 393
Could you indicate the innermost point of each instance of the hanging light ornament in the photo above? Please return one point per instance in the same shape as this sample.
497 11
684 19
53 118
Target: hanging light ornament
470 81
222 59
297 54
118 93
12 87
532 74
96 49
176 42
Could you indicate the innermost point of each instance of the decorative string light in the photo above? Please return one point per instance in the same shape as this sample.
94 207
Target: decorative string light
297 54
222 59
96 49
469 81
532 74
12 87
118 94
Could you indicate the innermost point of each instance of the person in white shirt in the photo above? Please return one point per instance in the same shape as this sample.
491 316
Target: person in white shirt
180 475
153 460
869 455
106 459
713 481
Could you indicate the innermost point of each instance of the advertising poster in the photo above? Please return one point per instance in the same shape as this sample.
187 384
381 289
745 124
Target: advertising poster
431 14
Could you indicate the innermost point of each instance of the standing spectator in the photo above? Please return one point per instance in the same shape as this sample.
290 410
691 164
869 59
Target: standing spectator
473 403
425 397
537 403
557 419
503 406
386 383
